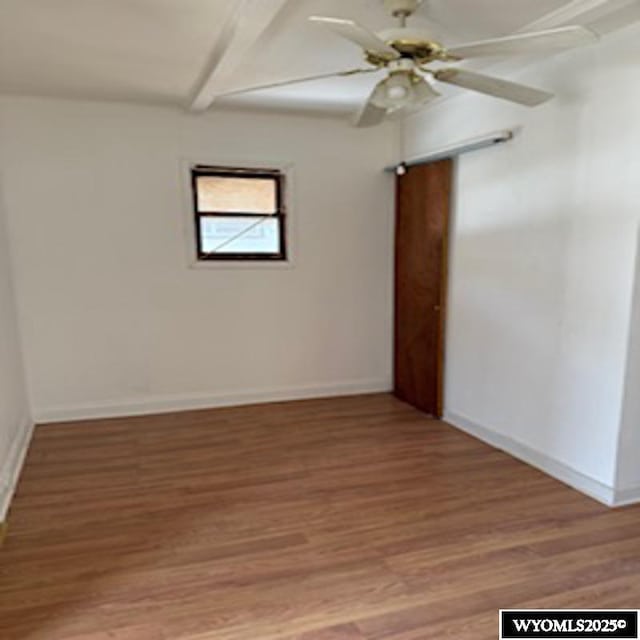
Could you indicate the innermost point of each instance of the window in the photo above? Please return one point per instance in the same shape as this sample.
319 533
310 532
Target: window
239 213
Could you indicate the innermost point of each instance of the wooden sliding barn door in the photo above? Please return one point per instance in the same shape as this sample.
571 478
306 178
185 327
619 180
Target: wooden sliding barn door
422 219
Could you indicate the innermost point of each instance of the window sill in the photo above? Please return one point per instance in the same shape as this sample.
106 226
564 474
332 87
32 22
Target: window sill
232 265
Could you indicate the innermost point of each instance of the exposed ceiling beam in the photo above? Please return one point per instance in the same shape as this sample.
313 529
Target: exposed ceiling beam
567 13
249 21
583 12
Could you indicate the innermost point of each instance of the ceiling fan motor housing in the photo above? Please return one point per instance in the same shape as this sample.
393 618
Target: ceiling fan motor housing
413 44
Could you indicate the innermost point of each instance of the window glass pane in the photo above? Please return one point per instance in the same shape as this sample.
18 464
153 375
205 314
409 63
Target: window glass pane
240 235
236 195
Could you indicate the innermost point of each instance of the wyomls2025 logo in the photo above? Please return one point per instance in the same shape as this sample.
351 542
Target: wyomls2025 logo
548 625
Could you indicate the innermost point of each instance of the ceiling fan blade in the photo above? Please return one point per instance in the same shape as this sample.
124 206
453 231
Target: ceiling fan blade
370 114
496 87
524 43
285 83
359 35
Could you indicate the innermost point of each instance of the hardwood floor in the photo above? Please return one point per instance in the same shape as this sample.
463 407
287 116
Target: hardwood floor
342 519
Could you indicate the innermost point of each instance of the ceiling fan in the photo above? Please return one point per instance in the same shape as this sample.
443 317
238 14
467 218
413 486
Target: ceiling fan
405 54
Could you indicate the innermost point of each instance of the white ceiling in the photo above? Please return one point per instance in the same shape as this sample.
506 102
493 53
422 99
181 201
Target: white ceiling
159 51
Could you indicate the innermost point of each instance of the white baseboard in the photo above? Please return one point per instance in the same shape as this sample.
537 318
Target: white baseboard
185 402
593 488
10 471
626 497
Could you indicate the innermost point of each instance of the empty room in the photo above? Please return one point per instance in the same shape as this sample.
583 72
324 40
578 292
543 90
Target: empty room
319 320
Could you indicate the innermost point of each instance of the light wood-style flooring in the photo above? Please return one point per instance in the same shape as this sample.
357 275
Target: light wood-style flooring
342 519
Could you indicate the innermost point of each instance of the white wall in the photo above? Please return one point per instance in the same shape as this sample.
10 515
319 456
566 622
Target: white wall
543 261
115 321
15 422
628 479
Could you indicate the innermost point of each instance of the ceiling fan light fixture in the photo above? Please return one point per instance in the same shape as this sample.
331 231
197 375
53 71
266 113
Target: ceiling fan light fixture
423 90
397 92
394 92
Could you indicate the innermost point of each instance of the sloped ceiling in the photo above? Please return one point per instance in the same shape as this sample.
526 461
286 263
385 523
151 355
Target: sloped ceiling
158 51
